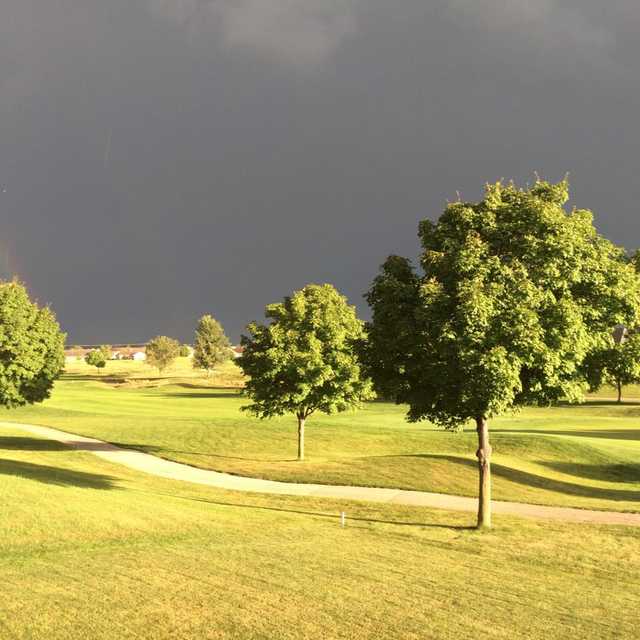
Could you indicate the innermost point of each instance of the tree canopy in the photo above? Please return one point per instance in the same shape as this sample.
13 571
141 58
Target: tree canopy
211 346
96 358
617 365
162 352
304 361
31 348
514 294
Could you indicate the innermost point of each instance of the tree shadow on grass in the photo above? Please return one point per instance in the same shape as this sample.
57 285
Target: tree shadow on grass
328 516
88 377
621 472
625 409
599 402
18 443
42 444
204 395
609 434
55 475
162 452
205 387
528 479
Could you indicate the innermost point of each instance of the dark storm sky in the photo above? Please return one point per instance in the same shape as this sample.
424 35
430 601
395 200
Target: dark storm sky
161 159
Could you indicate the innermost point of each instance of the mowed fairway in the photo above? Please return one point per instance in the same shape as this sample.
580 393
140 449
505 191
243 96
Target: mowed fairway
582 456
91 550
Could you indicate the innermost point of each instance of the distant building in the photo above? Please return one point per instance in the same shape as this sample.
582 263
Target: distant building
237 351
74 354
139 356
119 351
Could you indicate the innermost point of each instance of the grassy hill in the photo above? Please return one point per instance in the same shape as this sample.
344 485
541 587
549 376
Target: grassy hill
91 550
584 456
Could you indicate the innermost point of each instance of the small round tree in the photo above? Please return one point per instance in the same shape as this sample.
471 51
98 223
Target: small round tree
31 348
304 360
96 358
162 352
617 365
211 346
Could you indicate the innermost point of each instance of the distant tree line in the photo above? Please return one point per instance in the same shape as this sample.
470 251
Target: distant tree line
211 347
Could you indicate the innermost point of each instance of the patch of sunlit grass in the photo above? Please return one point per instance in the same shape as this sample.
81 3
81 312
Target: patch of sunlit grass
91 550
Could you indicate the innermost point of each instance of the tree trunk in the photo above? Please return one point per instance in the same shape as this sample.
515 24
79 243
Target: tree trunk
484 467
619 385
300 438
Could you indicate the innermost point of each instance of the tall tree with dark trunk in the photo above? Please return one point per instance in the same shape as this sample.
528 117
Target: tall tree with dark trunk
304 361
514 293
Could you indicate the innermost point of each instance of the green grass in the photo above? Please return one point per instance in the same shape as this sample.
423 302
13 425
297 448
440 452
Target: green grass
583 456
90 550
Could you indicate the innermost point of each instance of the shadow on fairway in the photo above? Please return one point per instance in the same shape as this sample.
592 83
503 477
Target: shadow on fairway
30 444
626 408
205 387
162 451
606 472
55 475
536 481
609 434
42 444
195 395
110 378
329 516
599 402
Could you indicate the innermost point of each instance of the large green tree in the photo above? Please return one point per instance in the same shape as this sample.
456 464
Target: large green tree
31 348
513 295
161 352
304 360
211 346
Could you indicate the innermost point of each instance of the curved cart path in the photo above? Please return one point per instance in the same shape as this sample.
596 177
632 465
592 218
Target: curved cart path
148 463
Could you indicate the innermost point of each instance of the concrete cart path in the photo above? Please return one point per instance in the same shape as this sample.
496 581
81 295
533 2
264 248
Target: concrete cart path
148 463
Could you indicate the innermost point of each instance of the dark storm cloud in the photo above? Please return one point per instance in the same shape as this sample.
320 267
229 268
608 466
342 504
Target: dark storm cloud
289 31
163 159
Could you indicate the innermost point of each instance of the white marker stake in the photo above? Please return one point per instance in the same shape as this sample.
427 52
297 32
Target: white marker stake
343 518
